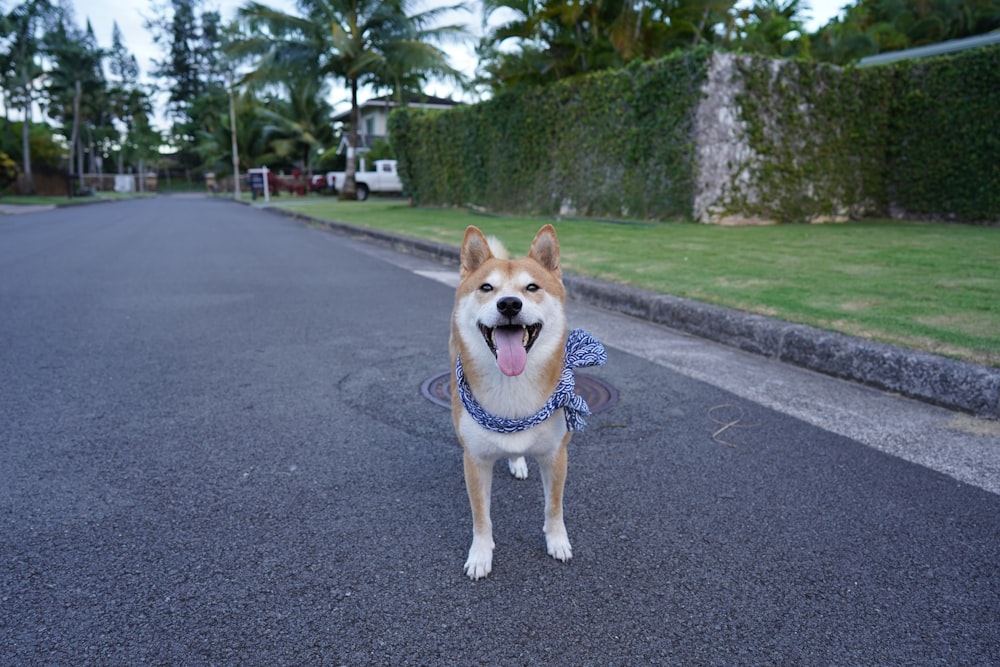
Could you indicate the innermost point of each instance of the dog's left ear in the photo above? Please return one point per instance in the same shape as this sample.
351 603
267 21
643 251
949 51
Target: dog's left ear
545 250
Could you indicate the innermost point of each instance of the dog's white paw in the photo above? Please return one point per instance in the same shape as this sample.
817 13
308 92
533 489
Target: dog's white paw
558 547
480 560
518 467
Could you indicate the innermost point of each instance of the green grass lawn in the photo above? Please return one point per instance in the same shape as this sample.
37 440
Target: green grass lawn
933 287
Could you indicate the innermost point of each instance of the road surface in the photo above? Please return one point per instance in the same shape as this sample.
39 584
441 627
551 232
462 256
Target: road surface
214 450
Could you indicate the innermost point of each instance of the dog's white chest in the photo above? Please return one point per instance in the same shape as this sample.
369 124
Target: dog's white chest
538 440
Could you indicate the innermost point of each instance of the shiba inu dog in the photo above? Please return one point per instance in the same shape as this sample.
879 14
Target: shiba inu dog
512 393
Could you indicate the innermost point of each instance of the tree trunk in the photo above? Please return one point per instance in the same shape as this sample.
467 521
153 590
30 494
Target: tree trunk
232 138
349 190
701 27
29 180
79 158
74 140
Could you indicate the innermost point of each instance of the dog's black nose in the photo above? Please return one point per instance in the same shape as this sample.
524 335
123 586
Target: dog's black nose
509 306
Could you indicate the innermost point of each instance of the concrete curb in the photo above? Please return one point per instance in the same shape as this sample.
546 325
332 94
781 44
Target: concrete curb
950 383
947 382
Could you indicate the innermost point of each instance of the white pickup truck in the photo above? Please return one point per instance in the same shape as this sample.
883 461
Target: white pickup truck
383 179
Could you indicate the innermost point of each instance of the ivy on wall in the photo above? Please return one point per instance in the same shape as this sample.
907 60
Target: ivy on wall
917 137
614 143
818 140
944 154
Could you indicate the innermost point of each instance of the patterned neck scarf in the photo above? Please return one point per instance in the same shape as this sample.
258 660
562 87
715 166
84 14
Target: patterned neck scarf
582 349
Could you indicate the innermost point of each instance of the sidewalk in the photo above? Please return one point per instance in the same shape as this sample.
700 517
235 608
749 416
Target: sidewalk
14 209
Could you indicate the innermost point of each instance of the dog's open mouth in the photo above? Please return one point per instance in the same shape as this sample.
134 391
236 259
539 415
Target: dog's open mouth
510 345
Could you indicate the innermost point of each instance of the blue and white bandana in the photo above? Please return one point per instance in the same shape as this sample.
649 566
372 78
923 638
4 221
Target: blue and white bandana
582 349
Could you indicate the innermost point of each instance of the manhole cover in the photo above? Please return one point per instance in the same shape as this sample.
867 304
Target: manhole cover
599 394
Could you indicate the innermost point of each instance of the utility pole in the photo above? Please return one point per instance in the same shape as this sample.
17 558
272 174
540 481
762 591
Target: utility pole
232 132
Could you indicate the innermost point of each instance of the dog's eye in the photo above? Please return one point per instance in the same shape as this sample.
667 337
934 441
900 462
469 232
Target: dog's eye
486 287
532 287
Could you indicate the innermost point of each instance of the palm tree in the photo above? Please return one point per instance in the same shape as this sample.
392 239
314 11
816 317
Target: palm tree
77 91
298 127
363 42
215 145
562 38
774 28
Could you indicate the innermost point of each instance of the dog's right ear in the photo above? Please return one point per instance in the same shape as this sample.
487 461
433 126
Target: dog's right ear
475 251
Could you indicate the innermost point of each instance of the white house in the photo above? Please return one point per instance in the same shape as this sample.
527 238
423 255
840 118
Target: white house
373 117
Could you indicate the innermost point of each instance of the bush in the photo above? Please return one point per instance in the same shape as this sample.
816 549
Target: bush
8 172
944 154
614 143
800 141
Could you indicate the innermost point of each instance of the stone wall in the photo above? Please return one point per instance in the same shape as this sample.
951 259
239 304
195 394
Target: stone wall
787 141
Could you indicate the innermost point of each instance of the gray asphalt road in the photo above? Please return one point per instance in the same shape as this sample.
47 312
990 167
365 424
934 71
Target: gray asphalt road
214 451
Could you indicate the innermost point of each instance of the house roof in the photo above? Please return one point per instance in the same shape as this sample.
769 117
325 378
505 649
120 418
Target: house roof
937 49
388 102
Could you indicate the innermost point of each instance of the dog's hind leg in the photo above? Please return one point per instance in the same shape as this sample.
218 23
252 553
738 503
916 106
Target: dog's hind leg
479 483
553 472
518 467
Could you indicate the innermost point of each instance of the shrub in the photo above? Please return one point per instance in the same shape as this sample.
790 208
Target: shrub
801 141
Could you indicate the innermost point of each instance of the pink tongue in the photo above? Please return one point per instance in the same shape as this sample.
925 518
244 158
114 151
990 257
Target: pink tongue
511 355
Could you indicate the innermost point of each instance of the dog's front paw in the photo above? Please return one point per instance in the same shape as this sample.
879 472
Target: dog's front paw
558 547
480 560
518 467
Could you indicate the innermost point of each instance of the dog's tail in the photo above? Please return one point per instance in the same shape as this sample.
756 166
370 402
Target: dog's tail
497 248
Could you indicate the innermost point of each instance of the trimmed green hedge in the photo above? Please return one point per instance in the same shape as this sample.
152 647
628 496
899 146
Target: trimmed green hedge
917 138
944 125
615 143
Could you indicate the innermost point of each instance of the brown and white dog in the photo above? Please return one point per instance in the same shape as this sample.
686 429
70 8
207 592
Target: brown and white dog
508 328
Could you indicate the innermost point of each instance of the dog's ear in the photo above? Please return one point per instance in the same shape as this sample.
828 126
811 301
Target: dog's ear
545 250
475 251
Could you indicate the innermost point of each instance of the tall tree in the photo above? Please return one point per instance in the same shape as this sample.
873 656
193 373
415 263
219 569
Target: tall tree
546 40
556 39
193 70
773 28
299 128
363 42
215 143
128 101
132 108
878 26
842 41
122 64
77 91
22 67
